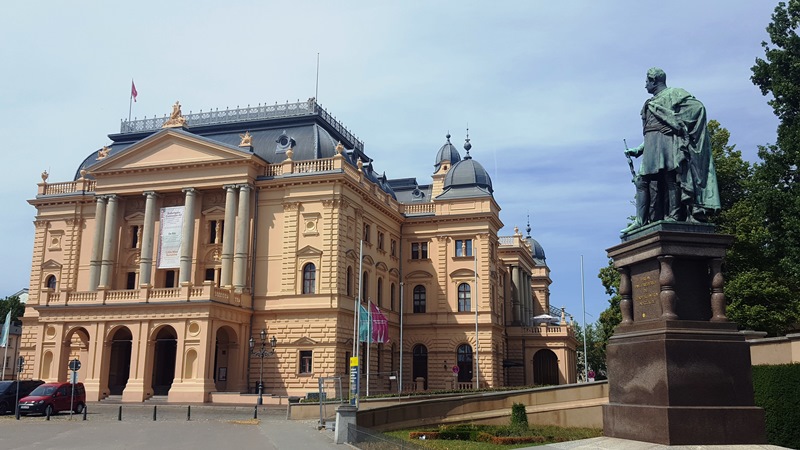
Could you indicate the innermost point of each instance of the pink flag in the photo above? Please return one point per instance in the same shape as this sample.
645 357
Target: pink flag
380 326
133 91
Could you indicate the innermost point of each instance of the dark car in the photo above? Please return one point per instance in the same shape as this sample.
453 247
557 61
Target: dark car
52 398
8 393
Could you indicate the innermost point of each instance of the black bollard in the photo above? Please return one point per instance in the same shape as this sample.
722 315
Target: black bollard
255 412
154 412
47 412
84 412
189 412
17 412
119 415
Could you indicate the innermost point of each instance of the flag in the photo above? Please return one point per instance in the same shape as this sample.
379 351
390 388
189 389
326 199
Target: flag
134 93
380 326
6 326
364 324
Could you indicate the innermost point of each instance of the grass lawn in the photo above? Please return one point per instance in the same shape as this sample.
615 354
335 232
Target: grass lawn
475 437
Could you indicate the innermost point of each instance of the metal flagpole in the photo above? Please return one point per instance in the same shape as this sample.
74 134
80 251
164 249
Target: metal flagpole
400 383
585 352
477 343
369 338
130 103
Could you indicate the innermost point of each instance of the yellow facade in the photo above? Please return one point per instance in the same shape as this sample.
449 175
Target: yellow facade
173 248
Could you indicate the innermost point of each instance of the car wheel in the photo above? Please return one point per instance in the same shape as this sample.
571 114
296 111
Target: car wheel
79 408
48 411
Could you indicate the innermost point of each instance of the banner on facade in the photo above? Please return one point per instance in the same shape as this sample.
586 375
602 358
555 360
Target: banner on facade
169 238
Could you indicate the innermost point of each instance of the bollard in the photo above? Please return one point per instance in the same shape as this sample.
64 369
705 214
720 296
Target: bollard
47 412
189 412
255 412
119 415
84 412
17 412
154 412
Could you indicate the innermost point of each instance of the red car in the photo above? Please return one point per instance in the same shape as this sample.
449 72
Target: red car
52 398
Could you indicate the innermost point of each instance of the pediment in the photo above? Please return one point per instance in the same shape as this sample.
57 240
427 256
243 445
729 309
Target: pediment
135 217
418 274
462 273
51 265
309 252
368 261
350 254
169 148
214 211
381 266
305 341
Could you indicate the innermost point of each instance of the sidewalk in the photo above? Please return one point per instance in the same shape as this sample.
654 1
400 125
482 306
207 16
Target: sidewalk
212 427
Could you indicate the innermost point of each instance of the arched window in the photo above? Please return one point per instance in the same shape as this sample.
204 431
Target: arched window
464 298
349 281
464 358
51 282
380 291
309 278
419 364
391 296
364 286
419 298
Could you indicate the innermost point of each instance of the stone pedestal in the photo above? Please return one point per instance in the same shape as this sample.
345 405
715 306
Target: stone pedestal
679 372
345 416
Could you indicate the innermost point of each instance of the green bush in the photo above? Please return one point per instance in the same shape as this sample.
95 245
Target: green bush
777 390
519 418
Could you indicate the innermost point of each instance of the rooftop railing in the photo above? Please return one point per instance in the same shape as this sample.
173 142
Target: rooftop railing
248 113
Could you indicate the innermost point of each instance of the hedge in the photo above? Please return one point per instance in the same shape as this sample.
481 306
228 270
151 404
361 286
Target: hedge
777 390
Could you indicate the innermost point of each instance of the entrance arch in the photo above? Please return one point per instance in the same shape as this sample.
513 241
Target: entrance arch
465 363
545 368
76 345
226 361
119 365
419 364
164 351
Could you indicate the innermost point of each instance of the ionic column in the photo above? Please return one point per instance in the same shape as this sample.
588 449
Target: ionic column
228 235
242 238
148 234
528 299
187 235
97 243
515 279
110 238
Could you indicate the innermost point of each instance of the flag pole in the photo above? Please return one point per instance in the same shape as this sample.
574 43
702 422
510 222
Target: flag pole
585 350
369 338
130 103
477 343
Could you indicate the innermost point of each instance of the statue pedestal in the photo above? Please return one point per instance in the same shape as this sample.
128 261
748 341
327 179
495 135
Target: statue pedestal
679 372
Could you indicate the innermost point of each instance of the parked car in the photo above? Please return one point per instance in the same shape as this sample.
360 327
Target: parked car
52 398
8 393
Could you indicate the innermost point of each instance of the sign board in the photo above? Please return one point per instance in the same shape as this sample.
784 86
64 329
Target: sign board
353 380
455 369
75 365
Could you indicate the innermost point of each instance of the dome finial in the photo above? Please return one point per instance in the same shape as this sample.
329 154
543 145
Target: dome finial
448 136
528 229
467 145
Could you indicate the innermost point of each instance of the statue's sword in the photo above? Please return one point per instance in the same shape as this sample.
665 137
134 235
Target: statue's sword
630 162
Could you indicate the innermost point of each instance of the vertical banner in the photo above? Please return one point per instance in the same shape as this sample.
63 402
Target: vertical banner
354 381
169 237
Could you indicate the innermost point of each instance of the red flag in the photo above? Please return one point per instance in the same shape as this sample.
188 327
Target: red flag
133 91
380 326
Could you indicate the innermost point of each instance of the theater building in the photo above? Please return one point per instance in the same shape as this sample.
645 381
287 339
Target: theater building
188 235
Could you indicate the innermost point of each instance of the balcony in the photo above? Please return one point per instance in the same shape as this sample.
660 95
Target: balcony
206 292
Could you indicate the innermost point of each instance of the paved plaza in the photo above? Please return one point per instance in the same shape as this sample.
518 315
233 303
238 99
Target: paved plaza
210 427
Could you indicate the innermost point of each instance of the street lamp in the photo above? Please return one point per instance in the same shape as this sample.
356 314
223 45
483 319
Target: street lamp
262 353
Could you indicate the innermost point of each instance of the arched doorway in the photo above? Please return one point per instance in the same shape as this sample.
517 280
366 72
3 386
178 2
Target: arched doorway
225 360
164 352
76 346
419 366
119 364
465 363
545 368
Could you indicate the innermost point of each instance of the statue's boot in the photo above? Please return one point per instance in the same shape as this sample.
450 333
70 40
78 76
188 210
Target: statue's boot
653 208
642 206
673 202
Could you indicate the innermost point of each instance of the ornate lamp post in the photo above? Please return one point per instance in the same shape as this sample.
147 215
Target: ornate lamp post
262 353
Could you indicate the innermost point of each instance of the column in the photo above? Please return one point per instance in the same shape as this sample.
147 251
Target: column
110 238
97 243
228 235
528 298
515 300
148 234
187 235
242 238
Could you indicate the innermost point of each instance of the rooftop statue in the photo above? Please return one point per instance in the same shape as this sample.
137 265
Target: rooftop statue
176 118
676 180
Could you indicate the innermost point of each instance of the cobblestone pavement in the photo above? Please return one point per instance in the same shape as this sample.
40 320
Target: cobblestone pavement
210 427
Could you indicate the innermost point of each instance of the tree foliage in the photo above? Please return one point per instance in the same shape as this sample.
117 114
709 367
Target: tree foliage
13 304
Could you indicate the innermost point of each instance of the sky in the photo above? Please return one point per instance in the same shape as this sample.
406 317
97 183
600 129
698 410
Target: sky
548 90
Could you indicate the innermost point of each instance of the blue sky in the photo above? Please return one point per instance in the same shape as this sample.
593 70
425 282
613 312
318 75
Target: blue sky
549 90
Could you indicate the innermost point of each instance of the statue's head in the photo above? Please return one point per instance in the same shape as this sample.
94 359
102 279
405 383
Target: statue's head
656 80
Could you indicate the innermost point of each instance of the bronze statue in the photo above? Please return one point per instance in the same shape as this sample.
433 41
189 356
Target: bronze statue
676 181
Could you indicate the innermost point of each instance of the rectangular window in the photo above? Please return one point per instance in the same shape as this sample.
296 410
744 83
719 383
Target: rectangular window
135 236
131 281
464 247
209 275
366 232
306 362
394 247
380 240
419 250
169 279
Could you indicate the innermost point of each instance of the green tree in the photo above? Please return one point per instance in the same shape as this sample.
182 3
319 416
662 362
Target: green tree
595 347
12 304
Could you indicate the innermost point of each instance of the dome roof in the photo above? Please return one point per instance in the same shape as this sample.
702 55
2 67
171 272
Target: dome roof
447 154
468 173
536 250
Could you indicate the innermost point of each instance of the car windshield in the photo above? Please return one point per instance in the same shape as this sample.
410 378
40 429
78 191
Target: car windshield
43 390
5 385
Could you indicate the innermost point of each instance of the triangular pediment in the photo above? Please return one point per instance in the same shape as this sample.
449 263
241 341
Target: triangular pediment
305 341
135 217
51 265
309 252
214 210
170 148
